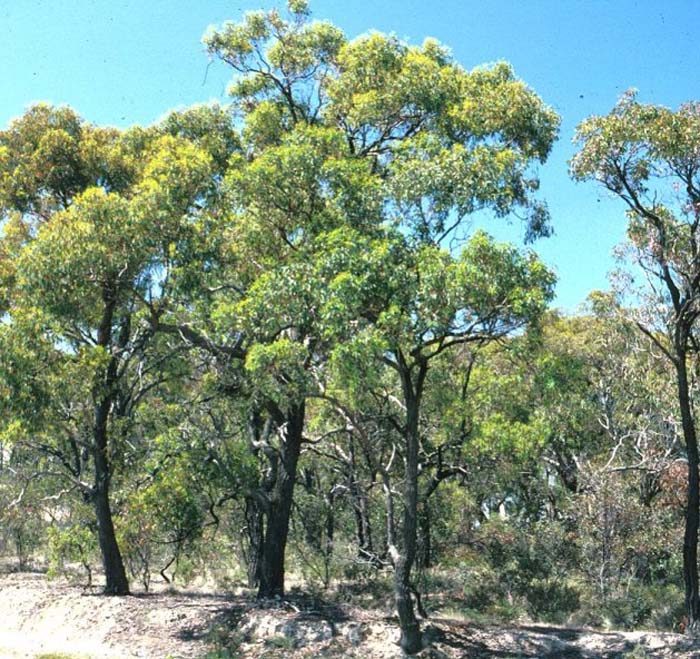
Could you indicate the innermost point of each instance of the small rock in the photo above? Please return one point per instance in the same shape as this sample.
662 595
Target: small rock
355 633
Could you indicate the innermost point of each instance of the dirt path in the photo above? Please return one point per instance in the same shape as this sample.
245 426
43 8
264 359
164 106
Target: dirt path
39 618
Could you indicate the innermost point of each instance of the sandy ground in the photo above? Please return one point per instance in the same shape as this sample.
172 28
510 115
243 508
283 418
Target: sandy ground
39 617
44 618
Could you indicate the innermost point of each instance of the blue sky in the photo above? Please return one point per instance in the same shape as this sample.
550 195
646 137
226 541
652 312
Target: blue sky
121 62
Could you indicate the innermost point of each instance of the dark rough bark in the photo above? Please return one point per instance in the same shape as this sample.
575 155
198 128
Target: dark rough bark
280 505
411 640
425 558
116 582
692 514
254 530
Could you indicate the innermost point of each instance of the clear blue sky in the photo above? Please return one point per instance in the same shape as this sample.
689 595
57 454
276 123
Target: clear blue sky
122 62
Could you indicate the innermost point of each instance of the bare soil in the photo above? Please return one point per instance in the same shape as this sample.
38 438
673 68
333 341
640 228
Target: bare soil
55 619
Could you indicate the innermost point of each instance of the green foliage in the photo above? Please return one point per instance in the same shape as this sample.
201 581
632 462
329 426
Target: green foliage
648 156
210 128
22 531
226 645
642 605
523 567
162 524
68 545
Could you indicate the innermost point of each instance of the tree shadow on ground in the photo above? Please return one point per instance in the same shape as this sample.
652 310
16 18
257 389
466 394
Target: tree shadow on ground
224 623
478 641
224 627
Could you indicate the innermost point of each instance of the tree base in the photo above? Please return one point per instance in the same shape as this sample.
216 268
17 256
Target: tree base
411 641
692 629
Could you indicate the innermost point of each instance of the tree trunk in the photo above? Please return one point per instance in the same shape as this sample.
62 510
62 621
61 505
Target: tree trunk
254 530
692 513
411 641
330 537
19 548
116 582
363 526
426 551
280 506
363 529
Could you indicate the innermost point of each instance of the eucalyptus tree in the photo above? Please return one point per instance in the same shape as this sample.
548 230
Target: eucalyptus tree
414 304
95 219
649 157
373 136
